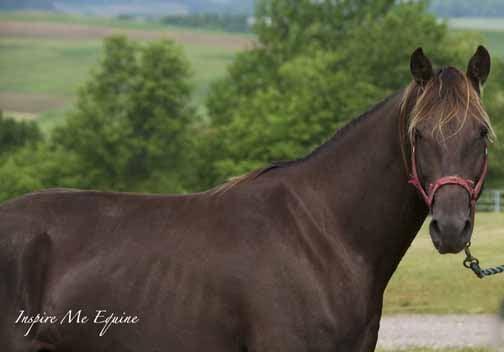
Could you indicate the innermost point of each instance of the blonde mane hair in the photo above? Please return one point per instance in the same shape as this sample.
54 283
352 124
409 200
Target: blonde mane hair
237 180
448 97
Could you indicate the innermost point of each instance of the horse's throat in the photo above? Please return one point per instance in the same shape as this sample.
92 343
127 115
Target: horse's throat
361 178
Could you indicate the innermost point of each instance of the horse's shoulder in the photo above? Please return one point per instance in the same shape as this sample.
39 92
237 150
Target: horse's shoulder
269 198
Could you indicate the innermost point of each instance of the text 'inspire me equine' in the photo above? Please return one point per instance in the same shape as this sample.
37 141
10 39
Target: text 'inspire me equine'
100 317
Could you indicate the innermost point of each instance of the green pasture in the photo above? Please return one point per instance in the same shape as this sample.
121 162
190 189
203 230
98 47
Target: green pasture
427 282
440 350
65 18
55 67
32 69
59 67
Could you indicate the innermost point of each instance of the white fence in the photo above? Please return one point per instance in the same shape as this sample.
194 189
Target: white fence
492 200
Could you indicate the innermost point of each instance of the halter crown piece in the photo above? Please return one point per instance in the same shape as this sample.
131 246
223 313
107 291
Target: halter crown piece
472 188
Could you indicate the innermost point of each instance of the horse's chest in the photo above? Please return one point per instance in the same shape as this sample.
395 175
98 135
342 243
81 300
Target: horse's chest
341 326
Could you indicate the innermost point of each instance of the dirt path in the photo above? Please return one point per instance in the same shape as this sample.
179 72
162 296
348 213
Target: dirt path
49 30
434 331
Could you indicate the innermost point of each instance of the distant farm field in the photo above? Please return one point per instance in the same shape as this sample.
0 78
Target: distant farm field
46 58
427 282
492 30
108 22
477 23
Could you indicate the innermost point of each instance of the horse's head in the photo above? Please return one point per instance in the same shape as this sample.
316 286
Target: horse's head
449 130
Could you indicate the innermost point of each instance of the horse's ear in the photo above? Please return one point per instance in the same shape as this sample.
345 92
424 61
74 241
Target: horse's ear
479 67
421 67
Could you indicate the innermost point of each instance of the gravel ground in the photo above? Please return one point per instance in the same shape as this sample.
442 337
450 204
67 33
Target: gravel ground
438 331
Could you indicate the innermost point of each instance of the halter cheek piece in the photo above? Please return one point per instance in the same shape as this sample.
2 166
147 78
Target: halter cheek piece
474 190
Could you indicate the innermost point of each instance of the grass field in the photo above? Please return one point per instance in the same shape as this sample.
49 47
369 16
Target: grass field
440 350
427 282
46 58
58 67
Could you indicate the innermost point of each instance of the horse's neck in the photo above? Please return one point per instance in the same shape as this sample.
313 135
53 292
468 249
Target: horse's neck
360 178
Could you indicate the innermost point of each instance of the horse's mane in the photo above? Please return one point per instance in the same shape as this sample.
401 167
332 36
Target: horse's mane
234 181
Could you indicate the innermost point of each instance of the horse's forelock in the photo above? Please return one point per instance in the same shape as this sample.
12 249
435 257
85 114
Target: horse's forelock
446 99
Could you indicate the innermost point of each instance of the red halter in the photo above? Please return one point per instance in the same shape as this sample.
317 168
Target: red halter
469 185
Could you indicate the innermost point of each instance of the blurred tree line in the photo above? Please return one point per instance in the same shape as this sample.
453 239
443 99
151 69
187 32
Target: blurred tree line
15 134
317 64
213 21
26 5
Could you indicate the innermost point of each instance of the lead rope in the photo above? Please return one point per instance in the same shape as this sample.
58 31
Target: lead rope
472 263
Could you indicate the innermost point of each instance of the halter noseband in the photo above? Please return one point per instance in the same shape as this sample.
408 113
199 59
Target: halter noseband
474 190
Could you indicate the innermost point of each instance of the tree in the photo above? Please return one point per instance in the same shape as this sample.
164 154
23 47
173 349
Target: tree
132 119
130 130
15 134
318 65
215 21
285 28
37 166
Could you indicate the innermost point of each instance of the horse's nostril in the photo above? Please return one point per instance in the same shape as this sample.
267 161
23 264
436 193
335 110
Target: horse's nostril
434 227
467 229
450 234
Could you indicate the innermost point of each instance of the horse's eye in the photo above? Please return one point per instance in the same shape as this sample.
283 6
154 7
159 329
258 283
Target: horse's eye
484 132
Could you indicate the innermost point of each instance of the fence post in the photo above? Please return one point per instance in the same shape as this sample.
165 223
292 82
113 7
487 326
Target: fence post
497 202
499 338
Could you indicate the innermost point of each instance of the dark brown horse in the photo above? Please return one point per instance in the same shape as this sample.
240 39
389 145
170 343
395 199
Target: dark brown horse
294 257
